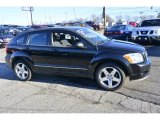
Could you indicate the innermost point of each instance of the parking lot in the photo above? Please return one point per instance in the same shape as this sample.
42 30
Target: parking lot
77 95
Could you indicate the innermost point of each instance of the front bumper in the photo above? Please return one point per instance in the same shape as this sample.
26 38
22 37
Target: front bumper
143 39
140 71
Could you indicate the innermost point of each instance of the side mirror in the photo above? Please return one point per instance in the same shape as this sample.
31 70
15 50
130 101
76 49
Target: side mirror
79 45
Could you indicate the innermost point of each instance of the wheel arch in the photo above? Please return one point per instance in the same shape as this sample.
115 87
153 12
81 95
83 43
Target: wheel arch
105 61
22 56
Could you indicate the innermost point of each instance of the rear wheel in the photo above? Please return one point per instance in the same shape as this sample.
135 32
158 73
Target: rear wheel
22 70
110 76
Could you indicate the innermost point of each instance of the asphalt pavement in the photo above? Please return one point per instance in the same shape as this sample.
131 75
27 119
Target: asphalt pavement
57 94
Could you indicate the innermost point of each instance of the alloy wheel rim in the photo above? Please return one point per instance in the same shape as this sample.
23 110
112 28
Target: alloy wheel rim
21 71
110 77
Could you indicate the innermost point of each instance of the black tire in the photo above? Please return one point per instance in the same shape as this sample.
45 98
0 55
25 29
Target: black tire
30 73
112 65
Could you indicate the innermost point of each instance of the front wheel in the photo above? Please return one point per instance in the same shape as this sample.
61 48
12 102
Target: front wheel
110 76
22 70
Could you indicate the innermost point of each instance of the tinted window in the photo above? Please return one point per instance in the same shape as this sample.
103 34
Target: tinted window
38 39
130 27
150 23
21 40
118 27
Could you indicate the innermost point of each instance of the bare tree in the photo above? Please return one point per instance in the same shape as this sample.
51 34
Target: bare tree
128 18
143 17
158 16
109 19
119 18
96 18
150 16
135 18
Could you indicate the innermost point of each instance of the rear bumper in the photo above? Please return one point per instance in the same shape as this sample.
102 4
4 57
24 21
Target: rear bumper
140 71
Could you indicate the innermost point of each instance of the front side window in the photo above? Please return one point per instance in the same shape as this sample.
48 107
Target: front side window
38 39
61 39
93 37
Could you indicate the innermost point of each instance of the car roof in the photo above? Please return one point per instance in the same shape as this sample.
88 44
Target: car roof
152 19
72 28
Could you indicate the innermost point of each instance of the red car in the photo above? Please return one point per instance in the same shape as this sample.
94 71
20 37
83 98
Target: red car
134 24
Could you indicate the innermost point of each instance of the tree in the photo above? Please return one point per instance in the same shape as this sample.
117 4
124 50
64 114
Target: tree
96 18
128 18
158 15
119 18
109 19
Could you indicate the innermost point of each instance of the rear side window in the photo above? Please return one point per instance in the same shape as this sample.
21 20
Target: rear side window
21 40
39 39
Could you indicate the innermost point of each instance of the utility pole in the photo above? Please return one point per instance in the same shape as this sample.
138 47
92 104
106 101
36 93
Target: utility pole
30 9
104 16
66 16
75 13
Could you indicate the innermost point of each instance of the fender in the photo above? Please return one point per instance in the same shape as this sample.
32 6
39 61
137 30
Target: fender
103 58
22 56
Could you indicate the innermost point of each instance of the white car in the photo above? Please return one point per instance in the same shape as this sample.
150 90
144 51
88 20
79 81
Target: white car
148 30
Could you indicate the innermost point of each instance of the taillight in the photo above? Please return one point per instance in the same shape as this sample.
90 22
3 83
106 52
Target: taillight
119 32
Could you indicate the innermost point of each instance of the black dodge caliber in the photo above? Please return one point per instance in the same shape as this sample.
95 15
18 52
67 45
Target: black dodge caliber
77 51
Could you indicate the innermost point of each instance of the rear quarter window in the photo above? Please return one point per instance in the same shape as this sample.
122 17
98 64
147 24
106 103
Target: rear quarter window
20 40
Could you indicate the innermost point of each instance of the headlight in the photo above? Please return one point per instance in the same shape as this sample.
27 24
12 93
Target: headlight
134 58
1 40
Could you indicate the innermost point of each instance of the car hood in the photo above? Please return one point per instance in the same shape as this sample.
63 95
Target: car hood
122 45
147 28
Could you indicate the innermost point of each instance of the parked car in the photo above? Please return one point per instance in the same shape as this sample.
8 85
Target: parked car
120 32
148 31
134 24
5 37
77 51
82 24
23 28
14 31
93 24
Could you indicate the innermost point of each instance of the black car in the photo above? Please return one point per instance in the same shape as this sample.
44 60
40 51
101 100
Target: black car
77 51
120 32
5 37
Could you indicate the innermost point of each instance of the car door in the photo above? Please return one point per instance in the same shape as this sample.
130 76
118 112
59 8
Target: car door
39 48
67 58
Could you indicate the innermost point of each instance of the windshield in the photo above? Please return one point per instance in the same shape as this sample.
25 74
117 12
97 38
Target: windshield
92 36
147 23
